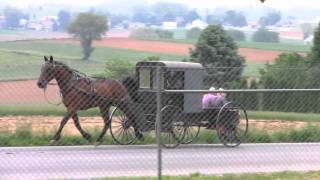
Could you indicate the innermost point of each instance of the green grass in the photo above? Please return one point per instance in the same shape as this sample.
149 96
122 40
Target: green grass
52 110
286 175
289 116
283 45
40 109
25 137
23 59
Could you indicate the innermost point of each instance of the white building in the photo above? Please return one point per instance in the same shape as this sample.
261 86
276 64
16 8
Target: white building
169 25
198 23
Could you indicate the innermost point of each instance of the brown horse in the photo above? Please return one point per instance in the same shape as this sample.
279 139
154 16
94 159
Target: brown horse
80 92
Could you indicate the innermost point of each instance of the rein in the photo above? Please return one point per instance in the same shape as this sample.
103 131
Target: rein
45 95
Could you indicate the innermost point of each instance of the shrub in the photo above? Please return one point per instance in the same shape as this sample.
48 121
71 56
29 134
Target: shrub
164 34
144 33
117 69
149 33
193 33
237 35
263 35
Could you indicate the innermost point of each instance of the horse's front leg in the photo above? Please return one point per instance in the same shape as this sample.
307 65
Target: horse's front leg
63 122
84 134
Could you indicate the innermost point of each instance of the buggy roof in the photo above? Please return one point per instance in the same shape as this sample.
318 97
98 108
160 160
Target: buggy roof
171 64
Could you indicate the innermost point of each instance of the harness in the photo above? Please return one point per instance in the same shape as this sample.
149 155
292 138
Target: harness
76 76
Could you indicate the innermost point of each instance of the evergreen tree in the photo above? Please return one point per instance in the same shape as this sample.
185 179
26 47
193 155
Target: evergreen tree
216 51
315 50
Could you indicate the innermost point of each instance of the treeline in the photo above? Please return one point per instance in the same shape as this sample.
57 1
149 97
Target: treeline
290 71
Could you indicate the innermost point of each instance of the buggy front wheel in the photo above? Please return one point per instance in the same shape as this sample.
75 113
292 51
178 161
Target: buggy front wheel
120 129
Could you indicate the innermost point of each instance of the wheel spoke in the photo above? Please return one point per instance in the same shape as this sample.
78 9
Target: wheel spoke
119 130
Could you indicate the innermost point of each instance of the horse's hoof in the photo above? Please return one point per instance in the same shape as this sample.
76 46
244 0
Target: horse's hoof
88 138
140 136
52 142
98 143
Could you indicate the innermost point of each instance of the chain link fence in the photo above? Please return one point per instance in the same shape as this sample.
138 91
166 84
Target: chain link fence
167 118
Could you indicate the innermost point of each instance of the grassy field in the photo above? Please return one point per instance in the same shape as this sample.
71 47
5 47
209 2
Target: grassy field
23 60
283 45
287 175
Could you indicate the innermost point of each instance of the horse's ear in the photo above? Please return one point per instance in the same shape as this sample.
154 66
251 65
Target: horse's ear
45 58
51 59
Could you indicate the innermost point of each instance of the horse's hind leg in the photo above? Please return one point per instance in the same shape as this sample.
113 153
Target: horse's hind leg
57 135
84 134
105 114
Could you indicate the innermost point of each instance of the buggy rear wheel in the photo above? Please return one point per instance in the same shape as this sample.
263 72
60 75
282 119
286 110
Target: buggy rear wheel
232 124
172 130
120 129
191 133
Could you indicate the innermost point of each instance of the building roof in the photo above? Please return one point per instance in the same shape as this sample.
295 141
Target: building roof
171 64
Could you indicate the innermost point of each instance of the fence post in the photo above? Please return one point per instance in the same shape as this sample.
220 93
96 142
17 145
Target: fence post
158 122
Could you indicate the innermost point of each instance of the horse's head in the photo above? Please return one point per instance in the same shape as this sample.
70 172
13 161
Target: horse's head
47 72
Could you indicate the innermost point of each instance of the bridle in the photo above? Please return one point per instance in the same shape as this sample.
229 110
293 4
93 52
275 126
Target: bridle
45 89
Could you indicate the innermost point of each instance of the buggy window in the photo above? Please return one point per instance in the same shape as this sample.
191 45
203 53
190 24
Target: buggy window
175 80
144 78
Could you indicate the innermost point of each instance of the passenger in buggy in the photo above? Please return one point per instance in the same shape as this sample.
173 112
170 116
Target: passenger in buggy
213 100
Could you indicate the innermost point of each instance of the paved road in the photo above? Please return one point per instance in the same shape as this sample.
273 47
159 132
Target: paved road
87 161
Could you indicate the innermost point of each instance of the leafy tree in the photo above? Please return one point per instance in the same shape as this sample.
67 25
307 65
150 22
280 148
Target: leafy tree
116 19
55 26
214 19
237 35
216 51
263 35
315 50
191 16
235 19
143 15
118 68
63 19
12 17
162 8
193 33
270 19
88 27
307 29
169 17
289 71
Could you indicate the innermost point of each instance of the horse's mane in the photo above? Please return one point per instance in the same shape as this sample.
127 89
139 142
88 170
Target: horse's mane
74 71
59 63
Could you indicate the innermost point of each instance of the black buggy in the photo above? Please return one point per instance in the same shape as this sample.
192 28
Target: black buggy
182 115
